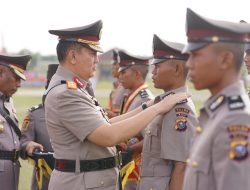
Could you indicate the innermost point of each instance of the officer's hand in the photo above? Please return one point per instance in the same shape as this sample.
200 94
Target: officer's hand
170 101
31 146
110 113
121 147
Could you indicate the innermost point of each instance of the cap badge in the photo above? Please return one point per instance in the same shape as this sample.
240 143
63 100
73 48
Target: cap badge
215 38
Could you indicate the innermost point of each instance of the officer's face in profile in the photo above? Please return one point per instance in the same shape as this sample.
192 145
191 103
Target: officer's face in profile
85 61
205 67
247 60
9 82
127 78
163 75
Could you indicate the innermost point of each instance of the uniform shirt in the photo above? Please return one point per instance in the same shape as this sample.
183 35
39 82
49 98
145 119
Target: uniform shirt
219 156
9 171
34 129
117 96
71 116
168 137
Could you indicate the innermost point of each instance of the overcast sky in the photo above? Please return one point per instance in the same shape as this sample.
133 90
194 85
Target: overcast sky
128 24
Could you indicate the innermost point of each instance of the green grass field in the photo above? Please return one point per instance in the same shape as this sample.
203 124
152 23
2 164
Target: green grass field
28 97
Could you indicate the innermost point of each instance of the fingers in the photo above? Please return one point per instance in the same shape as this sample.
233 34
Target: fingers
177 97
31 146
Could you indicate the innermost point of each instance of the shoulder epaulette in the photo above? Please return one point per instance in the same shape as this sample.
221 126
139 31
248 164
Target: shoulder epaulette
143 93
178 103
35 107
182 102
71 84
235 102
217 103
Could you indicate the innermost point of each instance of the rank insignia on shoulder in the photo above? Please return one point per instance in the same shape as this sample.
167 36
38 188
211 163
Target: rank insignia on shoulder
181 124
217 102
25 123
182 102
238 150
235 103
35 107
71 84
143 93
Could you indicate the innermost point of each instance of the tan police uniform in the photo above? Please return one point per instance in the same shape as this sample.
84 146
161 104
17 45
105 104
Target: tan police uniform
9 129
116 97
167 138
219 157
132 100
9 141
71 115
34 129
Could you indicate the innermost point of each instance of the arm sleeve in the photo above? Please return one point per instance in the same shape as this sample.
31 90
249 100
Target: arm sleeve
177 133
28 133
78 114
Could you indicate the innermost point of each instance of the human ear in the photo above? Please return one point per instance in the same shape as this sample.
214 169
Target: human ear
227 59
72 56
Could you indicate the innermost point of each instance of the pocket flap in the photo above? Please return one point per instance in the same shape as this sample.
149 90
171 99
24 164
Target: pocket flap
99 179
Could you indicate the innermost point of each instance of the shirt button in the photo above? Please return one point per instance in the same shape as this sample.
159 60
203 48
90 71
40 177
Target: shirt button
102 183
198 130
14 142
194 164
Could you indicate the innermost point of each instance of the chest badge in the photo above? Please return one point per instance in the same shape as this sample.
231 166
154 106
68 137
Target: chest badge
181 124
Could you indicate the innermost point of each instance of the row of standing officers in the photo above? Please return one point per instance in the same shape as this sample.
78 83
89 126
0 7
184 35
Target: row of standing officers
179 151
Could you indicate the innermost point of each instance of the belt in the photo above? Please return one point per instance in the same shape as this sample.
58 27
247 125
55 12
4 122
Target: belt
9 155
88 165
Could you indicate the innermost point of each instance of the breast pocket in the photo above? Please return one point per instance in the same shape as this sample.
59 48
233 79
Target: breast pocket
200 176
153 139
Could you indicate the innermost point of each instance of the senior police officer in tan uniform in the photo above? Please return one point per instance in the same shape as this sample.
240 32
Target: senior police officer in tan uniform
168 137
219 158
34 132
82 137
132 75
12 69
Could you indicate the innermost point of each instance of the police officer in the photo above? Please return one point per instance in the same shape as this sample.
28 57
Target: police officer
132 74
82 137
12 69
35 134
219 158
116 95
168 137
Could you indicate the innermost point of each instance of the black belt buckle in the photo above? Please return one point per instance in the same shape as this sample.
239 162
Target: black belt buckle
15 155
118 160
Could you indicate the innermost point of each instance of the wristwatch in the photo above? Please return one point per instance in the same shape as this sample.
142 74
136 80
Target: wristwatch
144 106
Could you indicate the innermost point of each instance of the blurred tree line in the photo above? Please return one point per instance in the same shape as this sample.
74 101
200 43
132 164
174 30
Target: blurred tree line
38 59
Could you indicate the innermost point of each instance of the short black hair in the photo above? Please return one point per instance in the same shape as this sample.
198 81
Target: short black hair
143 69
64 46
238 51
